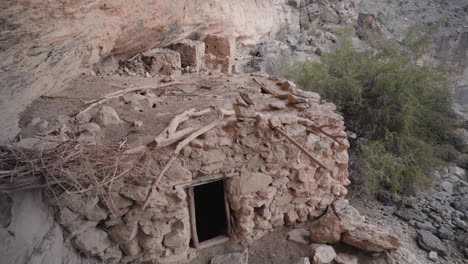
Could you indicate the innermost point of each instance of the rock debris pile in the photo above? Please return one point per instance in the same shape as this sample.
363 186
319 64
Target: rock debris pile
443 216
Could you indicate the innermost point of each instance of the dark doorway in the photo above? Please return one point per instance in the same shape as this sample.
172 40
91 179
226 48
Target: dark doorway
210 210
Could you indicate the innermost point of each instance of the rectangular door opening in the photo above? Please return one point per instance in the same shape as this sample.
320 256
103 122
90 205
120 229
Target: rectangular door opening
209 213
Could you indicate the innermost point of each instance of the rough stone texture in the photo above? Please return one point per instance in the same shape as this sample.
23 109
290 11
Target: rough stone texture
400 256
371 238
429 242
350 218
299 236
342 258
32 236
106 116
92 242
326 229
323 255
162 61
191 53
270 181
233 258
303 261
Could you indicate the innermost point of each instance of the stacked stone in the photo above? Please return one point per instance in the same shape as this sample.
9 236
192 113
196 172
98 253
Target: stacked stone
277 183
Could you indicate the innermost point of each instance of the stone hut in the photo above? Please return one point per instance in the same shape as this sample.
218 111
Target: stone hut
277 156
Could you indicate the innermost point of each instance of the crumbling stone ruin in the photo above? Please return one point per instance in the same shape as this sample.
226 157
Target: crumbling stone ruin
272 155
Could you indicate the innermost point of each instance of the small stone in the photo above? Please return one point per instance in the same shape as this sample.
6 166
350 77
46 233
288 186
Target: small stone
278 105
453 169
299 236
66 216
117 201
96 213
342 258
445 233
287 85
107 116
137 123
112 253
167 79
123 233
187 151
175 239
324 254
92 242
447 186
83 118
433 256
233 258
80 225
134 192
131 248
90 127
213 156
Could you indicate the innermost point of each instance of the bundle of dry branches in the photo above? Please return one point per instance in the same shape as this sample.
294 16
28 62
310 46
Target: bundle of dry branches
73 166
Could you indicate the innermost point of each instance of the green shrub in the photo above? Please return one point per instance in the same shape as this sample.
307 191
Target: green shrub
404 111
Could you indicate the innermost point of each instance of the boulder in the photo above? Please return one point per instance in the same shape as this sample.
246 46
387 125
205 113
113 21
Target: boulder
92 242
299 235
326 229
371 238
162 61
410 214
191 53
350 218
106 116
429 242
232 258
342 258
324 254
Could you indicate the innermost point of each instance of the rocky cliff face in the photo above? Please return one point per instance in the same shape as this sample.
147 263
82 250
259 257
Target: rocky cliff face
44 44
450 45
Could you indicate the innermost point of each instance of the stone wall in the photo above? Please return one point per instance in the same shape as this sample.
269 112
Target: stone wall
270 181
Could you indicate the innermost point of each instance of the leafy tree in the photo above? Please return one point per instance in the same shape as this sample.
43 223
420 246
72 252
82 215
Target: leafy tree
402 110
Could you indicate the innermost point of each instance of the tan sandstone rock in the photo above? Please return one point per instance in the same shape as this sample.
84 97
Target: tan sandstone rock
326 229
92 242
342 258
106 116
323 255
371 238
